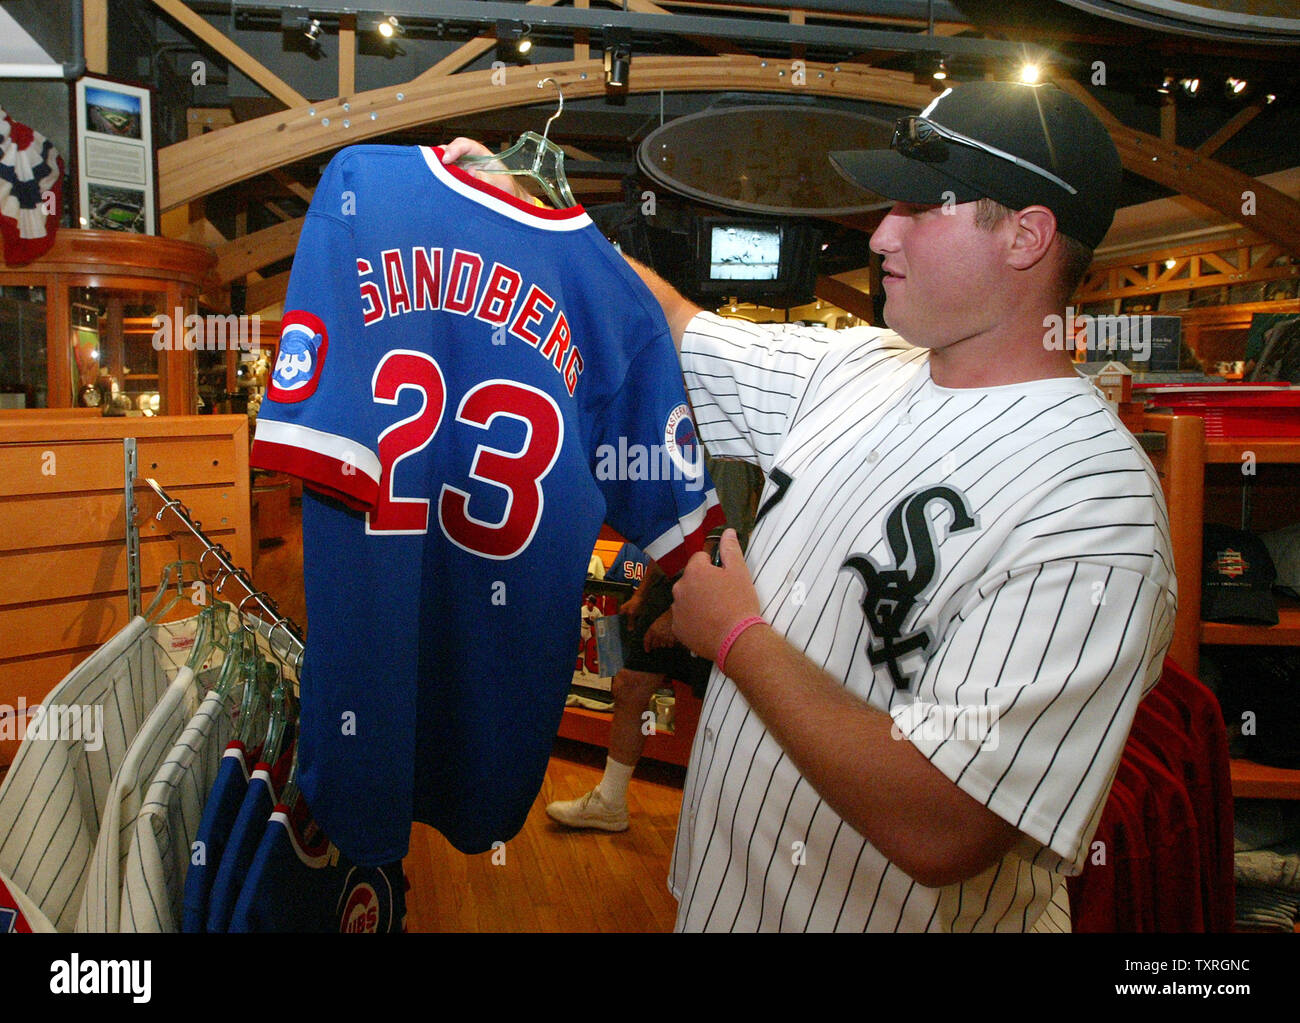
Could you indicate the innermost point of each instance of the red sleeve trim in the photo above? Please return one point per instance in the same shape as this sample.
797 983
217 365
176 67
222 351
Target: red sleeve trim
323 473
675 560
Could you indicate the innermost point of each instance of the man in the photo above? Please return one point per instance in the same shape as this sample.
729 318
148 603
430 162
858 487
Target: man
960 582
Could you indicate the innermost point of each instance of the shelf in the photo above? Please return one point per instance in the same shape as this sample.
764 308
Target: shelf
1265 449
1258 781
1285 633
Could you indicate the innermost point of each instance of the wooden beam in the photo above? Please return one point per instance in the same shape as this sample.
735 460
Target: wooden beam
1238 121
1168 118
94 21
243 255
268 292
847 297
196 167
1239 197
206 33
582 37
296 187
347 54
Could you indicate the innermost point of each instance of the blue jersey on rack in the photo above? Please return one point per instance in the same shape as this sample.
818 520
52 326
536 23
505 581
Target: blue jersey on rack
219 813
300 883
470 385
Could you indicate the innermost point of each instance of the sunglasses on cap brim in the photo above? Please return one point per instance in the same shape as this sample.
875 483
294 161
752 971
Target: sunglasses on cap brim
919 138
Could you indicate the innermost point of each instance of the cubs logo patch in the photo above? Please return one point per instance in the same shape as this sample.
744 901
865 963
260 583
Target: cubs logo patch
303 344
681 443
360 911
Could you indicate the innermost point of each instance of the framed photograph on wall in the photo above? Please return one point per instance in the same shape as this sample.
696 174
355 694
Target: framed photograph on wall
116 180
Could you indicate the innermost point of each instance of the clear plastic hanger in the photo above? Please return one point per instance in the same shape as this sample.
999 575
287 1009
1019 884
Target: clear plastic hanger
168 596
534 157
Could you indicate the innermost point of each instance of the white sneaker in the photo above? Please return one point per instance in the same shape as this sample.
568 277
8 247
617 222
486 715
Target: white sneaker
589 811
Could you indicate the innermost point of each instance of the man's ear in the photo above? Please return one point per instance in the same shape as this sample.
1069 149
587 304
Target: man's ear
1035 230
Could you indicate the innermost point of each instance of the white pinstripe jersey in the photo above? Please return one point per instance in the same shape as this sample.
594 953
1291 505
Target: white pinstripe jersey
55 791
990 565
101 904
153 878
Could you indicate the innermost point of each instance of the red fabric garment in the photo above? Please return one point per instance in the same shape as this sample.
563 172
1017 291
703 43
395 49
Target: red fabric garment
12 920
31 191
1204 722
1159 726
1109 897
1174 843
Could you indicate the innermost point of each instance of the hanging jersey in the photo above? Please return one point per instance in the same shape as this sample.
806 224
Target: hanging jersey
245 834
219 813
101 904
56 788
300 883
629 565
160 846
480 383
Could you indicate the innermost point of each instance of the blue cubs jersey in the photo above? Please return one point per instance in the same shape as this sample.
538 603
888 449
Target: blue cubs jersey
245 835
219 813
470 385
299 882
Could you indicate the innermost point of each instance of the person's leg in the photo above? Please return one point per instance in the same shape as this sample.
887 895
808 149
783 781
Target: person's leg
605 806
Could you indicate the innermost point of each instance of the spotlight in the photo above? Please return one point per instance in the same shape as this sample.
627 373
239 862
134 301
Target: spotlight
1270 98
312 30
1166 85
1030 73
1170 264
618 58
390 28
930 65
940 73
1191 86
1234 87
515 35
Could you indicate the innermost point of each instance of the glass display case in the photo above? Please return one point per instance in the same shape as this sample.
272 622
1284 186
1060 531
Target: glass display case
104 318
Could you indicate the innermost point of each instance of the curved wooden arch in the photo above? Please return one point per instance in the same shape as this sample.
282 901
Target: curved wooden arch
196 167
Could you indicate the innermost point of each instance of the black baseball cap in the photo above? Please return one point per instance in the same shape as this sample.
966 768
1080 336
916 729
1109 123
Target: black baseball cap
1076 170
1237 577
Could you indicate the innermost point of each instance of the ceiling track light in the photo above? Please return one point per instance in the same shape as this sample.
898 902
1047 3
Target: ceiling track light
930 66
390 28
1166 86
311 30
1030 73
1235 88
514 39
1191 87
618 58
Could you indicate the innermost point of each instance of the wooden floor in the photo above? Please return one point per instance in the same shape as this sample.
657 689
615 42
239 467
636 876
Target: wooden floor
547 878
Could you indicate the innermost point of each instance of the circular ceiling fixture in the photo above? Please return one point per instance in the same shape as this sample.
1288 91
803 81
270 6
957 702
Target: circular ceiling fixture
765 159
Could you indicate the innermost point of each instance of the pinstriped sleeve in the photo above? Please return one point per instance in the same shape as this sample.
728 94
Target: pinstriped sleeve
745 381
1030 699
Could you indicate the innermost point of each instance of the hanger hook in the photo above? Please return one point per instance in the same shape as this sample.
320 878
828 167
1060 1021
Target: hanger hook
558 111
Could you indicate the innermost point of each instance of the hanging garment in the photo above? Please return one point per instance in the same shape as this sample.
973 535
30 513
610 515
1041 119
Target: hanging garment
299 882
55 792
31 191
18 914
219 813
101 904
471 385
264 788
161 845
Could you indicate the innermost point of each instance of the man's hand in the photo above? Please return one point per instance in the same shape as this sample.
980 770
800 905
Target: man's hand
461 147
709 601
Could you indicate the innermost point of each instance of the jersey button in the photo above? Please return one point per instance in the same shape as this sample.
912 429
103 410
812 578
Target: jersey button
873 457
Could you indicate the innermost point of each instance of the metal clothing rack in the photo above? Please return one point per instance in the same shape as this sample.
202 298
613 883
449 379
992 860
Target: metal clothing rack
226 568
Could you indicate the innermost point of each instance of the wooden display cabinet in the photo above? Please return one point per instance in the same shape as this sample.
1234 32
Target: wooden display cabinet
1205 480
98 292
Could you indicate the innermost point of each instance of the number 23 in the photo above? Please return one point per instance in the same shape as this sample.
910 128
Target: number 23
519 473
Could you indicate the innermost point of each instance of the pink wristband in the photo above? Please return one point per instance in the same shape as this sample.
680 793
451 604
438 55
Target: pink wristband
734 635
